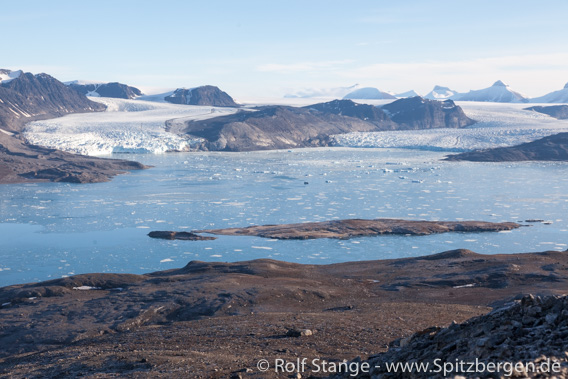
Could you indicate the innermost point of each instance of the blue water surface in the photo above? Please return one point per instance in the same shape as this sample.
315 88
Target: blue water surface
50 230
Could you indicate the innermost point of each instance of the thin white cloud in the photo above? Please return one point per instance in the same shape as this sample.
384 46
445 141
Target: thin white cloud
302 66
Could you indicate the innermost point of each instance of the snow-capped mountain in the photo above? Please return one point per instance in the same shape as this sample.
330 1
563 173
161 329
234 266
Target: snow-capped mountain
98 89
7 76
411 93
336 92
560 96
440 93
499 92
368 93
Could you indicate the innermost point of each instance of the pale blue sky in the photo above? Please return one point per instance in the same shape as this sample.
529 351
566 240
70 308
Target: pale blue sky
261 48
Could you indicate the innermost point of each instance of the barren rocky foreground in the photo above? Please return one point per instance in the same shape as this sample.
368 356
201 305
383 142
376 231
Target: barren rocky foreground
219 319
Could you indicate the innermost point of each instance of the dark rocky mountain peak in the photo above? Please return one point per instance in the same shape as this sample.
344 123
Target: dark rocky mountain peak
204 95
499 83
419 113
32 97
114 89
26 97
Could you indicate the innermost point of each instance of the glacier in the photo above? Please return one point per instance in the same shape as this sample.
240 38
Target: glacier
137 126
127 126
499 124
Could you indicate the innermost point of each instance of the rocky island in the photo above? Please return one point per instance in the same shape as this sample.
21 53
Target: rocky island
345 229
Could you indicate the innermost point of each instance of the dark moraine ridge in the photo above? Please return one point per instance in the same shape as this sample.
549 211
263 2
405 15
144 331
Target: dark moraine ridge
345 229
551 148
215 320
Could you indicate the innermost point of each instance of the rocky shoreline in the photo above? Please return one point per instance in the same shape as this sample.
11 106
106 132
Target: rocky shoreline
217 320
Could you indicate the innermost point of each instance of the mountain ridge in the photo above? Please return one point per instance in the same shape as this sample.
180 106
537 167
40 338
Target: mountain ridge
283 127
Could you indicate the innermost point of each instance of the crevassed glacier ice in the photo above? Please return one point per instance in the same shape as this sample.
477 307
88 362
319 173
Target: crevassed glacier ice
127 126
498 125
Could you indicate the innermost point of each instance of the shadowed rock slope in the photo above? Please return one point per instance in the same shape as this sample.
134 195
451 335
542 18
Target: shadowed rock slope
529 334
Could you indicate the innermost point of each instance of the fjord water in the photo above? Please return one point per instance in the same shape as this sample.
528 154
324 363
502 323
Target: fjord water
50 230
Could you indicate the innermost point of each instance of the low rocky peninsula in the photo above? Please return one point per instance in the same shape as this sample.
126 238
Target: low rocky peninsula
551 148
345 229
218 320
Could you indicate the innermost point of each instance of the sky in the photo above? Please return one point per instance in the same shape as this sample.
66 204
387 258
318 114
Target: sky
258 49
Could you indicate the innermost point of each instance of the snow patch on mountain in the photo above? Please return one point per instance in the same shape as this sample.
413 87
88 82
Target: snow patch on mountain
9 75
499 92
127 126
498 125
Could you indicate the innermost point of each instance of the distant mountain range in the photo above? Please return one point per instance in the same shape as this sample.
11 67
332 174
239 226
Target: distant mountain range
283 127
499 92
